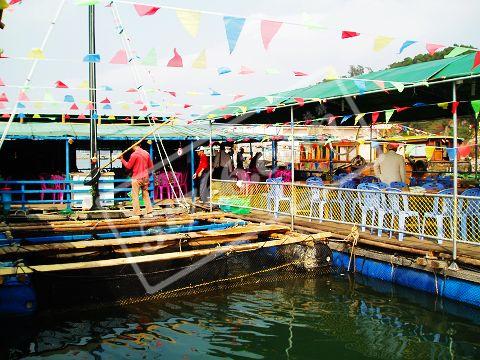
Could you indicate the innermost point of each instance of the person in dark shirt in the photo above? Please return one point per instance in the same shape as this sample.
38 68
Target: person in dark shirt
240 159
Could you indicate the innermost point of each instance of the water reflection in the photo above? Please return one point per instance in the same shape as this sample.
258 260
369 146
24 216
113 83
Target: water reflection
329 317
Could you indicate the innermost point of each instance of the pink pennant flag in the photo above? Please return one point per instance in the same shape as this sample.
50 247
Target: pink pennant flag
186 106
349 34
145 10
144 108
173 93
239 96
269 29
299 73
105 101
90 106
132 90
431 48
119 58
2 105
74 107
245 70
300 101
60 85
13 2
3 97
331 119
176 60
454 106
401 108
138 102
476 60
375 116
223 107
380 84
2 83
81 117
22 96
6 116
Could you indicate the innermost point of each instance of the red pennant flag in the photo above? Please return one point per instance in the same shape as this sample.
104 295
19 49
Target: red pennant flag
270 109
186 106
138 102
90 106
349 34
223 107
401 108
145 10
60 85
454 106
268 30
66 116
245 70
476 60
176 60
2 83
105 101
6 116
431 48
375 116
3 97
173 93
300 101
236 97
74 107
119 58
81 117
144 108
13 2
22 96
227 116
463 151
299 73
132 90
308 122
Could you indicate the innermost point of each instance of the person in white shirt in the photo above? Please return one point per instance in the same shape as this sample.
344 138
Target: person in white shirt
390 166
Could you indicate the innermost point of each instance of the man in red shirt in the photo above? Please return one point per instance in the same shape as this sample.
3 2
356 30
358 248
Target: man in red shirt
202 174
141 165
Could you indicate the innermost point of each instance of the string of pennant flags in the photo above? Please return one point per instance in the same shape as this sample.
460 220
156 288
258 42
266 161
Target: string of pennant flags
190 19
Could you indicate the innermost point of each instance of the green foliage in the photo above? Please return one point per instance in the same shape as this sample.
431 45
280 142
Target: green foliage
426 57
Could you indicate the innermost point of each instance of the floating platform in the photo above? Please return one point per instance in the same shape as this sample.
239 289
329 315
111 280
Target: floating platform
49 264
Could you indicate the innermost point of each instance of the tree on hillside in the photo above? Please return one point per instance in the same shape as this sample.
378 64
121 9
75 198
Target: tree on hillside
426 57
356 70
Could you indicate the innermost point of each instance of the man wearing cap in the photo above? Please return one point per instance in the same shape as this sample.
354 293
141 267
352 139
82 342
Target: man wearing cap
390 166
202 174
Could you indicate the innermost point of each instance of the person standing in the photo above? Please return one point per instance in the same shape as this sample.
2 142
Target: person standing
202 173
240 159
222 164
390 166
141 165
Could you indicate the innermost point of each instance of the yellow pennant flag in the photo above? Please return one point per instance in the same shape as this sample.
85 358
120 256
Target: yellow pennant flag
201 61
38 105
36 116
358 117
381 42
111 117
125 106
36 53
190 21
83 84
429 150
193 93
398 85
210 116
243 109
443 105
331 73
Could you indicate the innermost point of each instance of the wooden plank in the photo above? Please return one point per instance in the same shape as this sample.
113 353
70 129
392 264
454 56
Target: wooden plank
210 234
156 257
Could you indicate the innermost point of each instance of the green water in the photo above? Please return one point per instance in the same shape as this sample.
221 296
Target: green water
333 317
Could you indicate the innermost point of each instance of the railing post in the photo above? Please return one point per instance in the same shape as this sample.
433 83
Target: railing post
211 165
453 265
152 183
292 190
67 173
22 187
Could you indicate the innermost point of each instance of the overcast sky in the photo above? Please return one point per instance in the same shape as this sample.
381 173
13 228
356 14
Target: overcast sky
294 48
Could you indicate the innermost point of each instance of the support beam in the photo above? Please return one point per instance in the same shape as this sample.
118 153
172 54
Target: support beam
192 169
454 266
152 180
67 173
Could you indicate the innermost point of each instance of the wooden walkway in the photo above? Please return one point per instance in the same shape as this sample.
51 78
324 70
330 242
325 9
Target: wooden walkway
466 253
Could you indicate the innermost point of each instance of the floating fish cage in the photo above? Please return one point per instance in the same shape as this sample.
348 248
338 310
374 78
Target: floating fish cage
62 264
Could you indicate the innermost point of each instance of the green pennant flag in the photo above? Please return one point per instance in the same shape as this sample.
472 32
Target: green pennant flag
151 58
457 51
476 107
388 115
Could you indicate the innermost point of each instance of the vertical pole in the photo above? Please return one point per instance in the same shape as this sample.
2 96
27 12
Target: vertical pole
152 182
371 138
92 95
454 266
211 163
292 203
476 146
67 172
22 187
192 169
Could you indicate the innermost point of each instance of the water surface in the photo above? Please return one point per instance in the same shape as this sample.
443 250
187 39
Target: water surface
331 317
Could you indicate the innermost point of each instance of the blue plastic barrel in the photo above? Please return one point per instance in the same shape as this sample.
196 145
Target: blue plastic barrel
6 199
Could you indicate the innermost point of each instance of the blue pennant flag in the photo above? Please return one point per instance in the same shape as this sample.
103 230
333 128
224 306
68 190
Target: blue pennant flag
419 104
214 93
106 88
21 115
68 98
107 107
223 70
94 116
360 84
345 118
92 58
406 44
233 28
21 106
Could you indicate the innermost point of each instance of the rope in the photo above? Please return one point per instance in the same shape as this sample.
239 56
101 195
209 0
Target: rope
354 235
